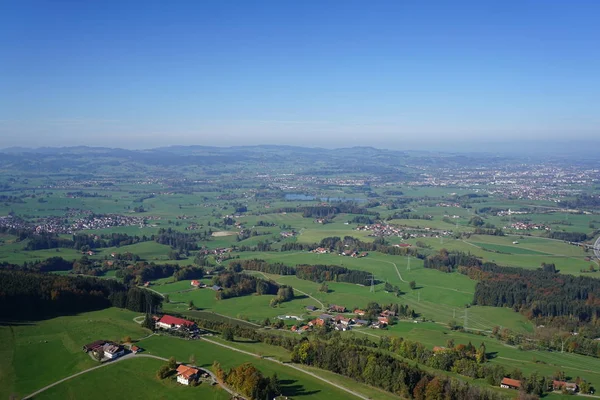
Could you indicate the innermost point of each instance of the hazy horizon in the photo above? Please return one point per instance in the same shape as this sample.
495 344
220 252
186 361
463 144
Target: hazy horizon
399 75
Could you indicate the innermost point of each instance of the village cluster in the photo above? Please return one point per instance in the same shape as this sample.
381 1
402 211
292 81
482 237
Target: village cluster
341 322
61 225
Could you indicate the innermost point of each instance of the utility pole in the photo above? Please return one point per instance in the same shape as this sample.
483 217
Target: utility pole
466 317
418 297
372 283
454 313
408 263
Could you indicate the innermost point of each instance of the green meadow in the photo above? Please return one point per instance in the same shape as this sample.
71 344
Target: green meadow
54 347
140 382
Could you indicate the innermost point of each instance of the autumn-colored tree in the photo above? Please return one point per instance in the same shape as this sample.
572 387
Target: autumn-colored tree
420 389
434 390
219 372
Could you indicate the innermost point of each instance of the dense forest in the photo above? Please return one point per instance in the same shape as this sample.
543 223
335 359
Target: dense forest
261 266
568 236
28 295
140 272
322 273
315 273
335 243
235 284
537 293
384 371
79 241
183 242
446 261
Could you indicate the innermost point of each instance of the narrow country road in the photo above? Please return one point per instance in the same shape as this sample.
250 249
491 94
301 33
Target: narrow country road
126 357
290 365
315 299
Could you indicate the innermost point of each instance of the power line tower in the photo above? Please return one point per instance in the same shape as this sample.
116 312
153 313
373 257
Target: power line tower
372 283
466 317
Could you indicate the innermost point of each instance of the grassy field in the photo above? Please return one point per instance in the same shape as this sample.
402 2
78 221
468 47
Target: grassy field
54 347
135 379
295 384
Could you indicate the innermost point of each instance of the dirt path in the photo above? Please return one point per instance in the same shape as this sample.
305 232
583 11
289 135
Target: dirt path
290 365
126 357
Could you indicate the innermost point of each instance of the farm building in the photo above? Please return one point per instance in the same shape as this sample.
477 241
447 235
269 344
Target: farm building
185 374
112 350
94 345
508 383
570 386
339 309
170 322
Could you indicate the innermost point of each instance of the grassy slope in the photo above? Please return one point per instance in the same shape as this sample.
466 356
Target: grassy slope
54 347
135 378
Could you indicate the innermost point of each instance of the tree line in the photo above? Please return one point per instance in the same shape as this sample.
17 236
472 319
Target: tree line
26 295
249 381
235 284
536 293
383 370
79 241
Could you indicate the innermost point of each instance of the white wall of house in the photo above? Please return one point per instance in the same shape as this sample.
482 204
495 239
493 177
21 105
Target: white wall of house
182 380
165 326
115 355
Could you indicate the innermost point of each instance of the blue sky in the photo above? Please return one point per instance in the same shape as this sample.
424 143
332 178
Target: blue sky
397 74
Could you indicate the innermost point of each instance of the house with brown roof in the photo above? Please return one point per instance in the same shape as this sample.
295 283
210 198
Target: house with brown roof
195 283
185 374
437 349
508 383
560 385
339 309
94 345
359 312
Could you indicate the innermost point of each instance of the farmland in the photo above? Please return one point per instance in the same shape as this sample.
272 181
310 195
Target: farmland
117 224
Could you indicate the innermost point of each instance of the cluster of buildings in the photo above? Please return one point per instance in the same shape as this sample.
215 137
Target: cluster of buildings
509 383
108 349
58 224
354 254
287 234
201 285
457 205
381 230
345 322
525 226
